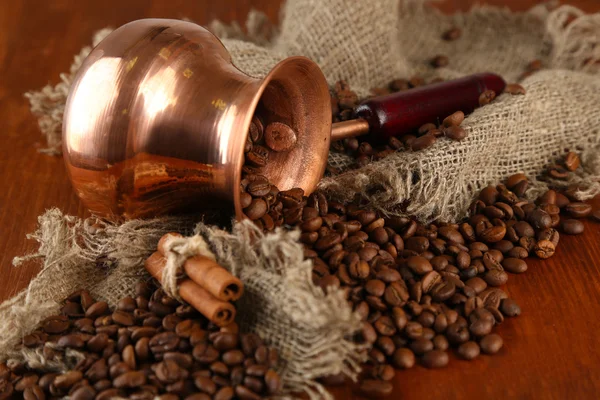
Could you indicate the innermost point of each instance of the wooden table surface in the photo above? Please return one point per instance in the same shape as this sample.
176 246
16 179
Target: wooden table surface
551 351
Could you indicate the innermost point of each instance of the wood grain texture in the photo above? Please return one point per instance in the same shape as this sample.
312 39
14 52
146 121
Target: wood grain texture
550 351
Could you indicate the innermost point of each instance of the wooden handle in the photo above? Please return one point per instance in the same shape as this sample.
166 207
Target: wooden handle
405 111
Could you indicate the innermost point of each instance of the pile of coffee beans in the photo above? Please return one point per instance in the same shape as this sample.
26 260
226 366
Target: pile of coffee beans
422 290
149 347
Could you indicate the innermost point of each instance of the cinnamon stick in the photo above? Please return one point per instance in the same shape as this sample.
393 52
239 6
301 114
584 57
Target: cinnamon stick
211 276
221 313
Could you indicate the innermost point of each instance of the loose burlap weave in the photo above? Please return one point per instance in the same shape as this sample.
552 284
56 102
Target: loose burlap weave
367 43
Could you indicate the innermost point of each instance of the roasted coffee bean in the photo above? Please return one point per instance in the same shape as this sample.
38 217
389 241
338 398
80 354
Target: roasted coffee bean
96 310
544 249
256 130
510 308
56 324
244 393
493 234
74 341
258 156
486 97
423 142
457 334
279 137
491 343
374 388
495 277
514 89
572 226
443 291
419 265
131 379
540 219
163 342
578 210
256 210
67 380
421 346
517 252
457 133
572 161
403 358
454 119
468 350
435 359
123 318
514 265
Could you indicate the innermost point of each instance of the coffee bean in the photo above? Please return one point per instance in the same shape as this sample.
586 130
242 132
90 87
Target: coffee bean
258 156
123 318
468 350
493 234
255 132
540 219
376 388
131 379
244 393
443 291
455 133
572 226
56 324
259 187
486 97
419 265
572 161
544 249
423 142
225 393
517 252
514 89
280 137
454 119
96 310
421 346
510 308
457 334
256 209
514 265
68 379
435 359
495 278
578 210
491 343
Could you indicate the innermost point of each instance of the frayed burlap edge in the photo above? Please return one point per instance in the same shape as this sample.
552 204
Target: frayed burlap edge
312 330
77 254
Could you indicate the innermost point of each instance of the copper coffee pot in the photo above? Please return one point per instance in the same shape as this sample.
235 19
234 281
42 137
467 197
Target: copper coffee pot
157 118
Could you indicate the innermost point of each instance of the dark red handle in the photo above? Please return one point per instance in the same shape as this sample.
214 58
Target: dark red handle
403 112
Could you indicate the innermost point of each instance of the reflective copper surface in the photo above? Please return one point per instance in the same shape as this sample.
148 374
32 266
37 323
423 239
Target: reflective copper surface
157 118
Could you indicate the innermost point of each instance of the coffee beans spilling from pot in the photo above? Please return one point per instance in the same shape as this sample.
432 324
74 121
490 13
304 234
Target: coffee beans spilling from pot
148 347
423 289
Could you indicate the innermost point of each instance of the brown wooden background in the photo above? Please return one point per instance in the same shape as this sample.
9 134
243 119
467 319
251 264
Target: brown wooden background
551 351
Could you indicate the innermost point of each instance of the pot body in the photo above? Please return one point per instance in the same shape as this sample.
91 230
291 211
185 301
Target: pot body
157 118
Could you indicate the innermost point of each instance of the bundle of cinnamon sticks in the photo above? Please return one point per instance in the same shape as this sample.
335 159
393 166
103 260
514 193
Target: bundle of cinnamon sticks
206 286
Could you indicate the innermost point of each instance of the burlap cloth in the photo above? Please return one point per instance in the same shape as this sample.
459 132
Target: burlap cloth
367 43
